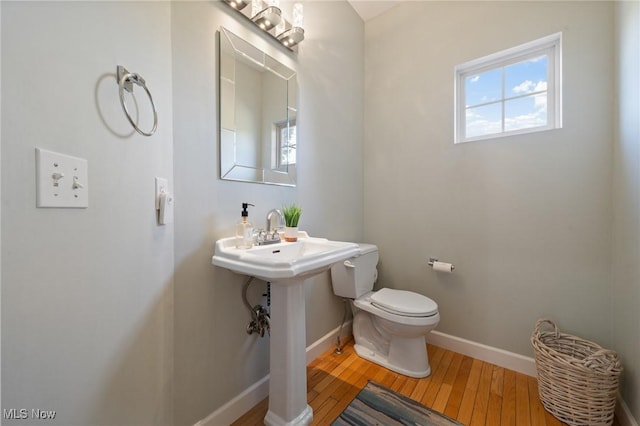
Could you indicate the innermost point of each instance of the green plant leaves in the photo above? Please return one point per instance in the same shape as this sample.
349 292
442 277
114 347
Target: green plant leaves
291 214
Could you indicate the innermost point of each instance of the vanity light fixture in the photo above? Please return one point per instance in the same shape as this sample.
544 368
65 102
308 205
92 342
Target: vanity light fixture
291 37
267 16
295 34
283 23
237 4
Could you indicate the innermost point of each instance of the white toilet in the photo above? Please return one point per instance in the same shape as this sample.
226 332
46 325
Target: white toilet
389 326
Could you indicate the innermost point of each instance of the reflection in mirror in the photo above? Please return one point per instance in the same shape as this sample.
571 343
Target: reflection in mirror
257 111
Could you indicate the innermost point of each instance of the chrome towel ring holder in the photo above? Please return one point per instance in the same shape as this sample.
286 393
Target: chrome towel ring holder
125 82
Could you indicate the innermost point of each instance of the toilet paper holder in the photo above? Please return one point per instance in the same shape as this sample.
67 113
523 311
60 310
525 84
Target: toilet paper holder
434 259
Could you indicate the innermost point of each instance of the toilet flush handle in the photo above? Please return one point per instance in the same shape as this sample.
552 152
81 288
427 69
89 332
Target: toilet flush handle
348 264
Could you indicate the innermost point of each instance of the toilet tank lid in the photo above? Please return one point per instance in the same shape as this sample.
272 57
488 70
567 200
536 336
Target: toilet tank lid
404 302
367 248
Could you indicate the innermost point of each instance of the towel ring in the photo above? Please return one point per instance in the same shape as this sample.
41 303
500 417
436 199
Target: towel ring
125 82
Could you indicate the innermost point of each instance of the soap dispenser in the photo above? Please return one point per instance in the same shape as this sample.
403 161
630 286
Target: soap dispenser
244 229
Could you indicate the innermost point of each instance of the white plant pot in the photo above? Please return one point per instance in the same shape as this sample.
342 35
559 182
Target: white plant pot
291 233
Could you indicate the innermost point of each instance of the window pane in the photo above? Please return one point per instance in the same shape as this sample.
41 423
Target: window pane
526 77
524 113
484 120
483 88
288 150
512 91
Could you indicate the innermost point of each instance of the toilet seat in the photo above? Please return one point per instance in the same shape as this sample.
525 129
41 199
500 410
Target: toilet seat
404 303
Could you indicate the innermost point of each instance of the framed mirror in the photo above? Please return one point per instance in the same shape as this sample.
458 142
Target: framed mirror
257 107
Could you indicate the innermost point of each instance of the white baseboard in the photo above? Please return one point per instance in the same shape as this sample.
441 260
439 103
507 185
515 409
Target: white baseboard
321 345
516 362
246 400
623 414
239 405
512 361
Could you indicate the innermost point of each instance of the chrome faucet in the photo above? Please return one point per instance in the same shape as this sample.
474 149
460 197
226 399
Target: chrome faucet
275 222
274 214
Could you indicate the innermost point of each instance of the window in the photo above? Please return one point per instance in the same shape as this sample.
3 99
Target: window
510 92
286 143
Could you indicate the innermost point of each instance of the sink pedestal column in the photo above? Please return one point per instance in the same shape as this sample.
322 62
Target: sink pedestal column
288 360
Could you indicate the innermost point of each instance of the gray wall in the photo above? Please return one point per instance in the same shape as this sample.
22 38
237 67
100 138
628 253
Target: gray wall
87 294
214 359
108 318
88 310
626 193
531 222
526 219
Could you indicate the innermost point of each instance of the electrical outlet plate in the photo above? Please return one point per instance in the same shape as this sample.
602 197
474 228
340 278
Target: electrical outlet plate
61 180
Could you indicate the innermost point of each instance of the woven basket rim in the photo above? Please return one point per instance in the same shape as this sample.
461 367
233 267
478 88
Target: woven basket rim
577 391
540 345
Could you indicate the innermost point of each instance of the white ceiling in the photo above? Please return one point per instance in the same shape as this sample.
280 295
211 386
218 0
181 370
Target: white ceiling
368 9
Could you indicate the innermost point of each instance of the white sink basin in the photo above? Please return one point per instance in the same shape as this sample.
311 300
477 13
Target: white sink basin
286 266
284 261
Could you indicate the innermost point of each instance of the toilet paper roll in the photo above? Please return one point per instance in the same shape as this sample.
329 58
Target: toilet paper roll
442 267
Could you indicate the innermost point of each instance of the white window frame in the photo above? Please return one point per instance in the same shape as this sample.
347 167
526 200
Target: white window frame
279 127
551 46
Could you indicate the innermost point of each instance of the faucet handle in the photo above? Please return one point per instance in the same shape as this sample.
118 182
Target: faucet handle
259 236
275 235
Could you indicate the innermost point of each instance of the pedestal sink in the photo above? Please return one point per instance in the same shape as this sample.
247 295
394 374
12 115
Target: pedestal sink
286 266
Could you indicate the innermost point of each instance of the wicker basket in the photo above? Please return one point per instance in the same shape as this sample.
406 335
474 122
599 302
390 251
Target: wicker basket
577 379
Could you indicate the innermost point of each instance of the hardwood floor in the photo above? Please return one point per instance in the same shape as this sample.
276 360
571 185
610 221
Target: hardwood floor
471 391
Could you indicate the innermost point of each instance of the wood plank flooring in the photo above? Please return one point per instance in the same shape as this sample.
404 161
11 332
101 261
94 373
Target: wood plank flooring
471 391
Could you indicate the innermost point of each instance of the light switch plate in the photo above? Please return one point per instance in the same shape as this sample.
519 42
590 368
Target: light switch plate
164 202
61 180
162 185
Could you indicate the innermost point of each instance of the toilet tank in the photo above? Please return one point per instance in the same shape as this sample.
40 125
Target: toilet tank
356 276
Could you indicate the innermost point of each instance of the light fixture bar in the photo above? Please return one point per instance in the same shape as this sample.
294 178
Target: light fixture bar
266 15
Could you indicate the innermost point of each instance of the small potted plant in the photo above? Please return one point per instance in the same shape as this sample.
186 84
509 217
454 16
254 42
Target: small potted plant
291 215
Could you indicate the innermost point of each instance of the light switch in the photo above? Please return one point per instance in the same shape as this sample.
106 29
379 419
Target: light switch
162 187
165 213
61 180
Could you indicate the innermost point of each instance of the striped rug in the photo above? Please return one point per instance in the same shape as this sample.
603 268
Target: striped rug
376 405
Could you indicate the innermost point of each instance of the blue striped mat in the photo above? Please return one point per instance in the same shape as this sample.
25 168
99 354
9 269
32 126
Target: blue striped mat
376 405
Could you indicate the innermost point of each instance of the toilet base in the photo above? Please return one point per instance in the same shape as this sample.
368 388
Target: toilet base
384 361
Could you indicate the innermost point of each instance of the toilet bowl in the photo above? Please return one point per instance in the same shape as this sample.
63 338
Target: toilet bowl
389 325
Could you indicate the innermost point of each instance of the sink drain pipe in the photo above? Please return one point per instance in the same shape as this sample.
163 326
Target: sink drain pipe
338 350
260 321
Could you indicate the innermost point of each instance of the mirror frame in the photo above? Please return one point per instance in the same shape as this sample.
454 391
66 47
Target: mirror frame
229 167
